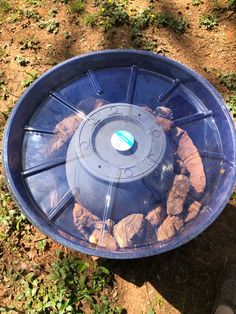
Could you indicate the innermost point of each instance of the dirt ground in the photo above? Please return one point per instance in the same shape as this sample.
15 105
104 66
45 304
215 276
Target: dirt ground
183 280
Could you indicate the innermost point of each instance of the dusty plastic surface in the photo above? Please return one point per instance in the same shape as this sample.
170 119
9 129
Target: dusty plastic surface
121 154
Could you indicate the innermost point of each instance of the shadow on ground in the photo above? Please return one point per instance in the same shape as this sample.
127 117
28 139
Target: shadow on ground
186 277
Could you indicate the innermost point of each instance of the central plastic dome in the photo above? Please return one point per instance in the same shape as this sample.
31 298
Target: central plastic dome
121 154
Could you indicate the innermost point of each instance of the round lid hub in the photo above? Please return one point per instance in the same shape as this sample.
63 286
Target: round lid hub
119 142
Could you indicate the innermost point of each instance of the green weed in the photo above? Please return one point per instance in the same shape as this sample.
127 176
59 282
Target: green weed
5 7
229 80
112 14
231 102
21 60
90 20
52 26
35 3
30 14
166 19
76 6
15 17
208 22
73 287
29 43
53 12
196 2
232 3
138 24
11 218
31 77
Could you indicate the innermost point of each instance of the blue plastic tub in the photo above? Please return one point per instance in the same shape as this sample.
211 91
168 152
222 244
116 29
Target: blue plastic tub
120 154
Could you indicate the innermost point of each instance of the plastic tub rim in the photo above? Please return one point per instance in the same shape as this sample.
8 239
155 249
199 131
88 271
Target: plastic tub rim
140 252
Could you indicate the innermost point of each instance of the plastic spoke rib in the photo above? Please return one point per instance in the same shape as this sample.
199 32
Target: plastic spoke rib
169 91
132 84
191 118
45 166
95 83
211 155
61 206
28 128
68 105
109 201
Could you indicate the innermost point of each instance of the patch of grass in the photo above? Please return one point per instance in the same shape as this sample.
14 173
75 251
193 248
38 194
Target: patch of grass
231 102
90 20
166 19
31 14
70 286
52 26
232 3
21 60
208 22
11 218
35 3
112 14
15 17
29 43
29 80
5 7
228 80
196 2
138 23
76 6
53 12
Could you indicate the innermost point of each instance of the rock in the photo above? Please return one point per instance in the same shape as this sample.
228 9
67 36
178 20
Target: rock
193 211
85 221
164 116
105 240
165 123
64 130
130 230
156 216
100 102
163 112
170 226
67 127
178 195
191 159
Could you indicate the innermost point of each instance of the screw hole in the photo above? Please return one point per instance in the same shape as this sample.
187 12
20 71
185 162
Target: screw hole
139 114
99 166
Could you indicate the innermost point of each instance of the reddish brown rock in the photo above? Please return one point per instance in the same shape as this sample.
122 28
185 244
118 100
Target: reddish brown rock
100 102
85 221
177 195
170 226
130 230
191 159
164 112
156 216
193 211
64 130
165 123
104 239
164 116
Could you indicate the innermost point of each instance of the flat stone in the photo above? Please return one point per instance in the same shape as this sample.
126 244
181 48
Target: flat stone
85 221
188 153
130 230
105 240
193 211
178 194
156 216
170 226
